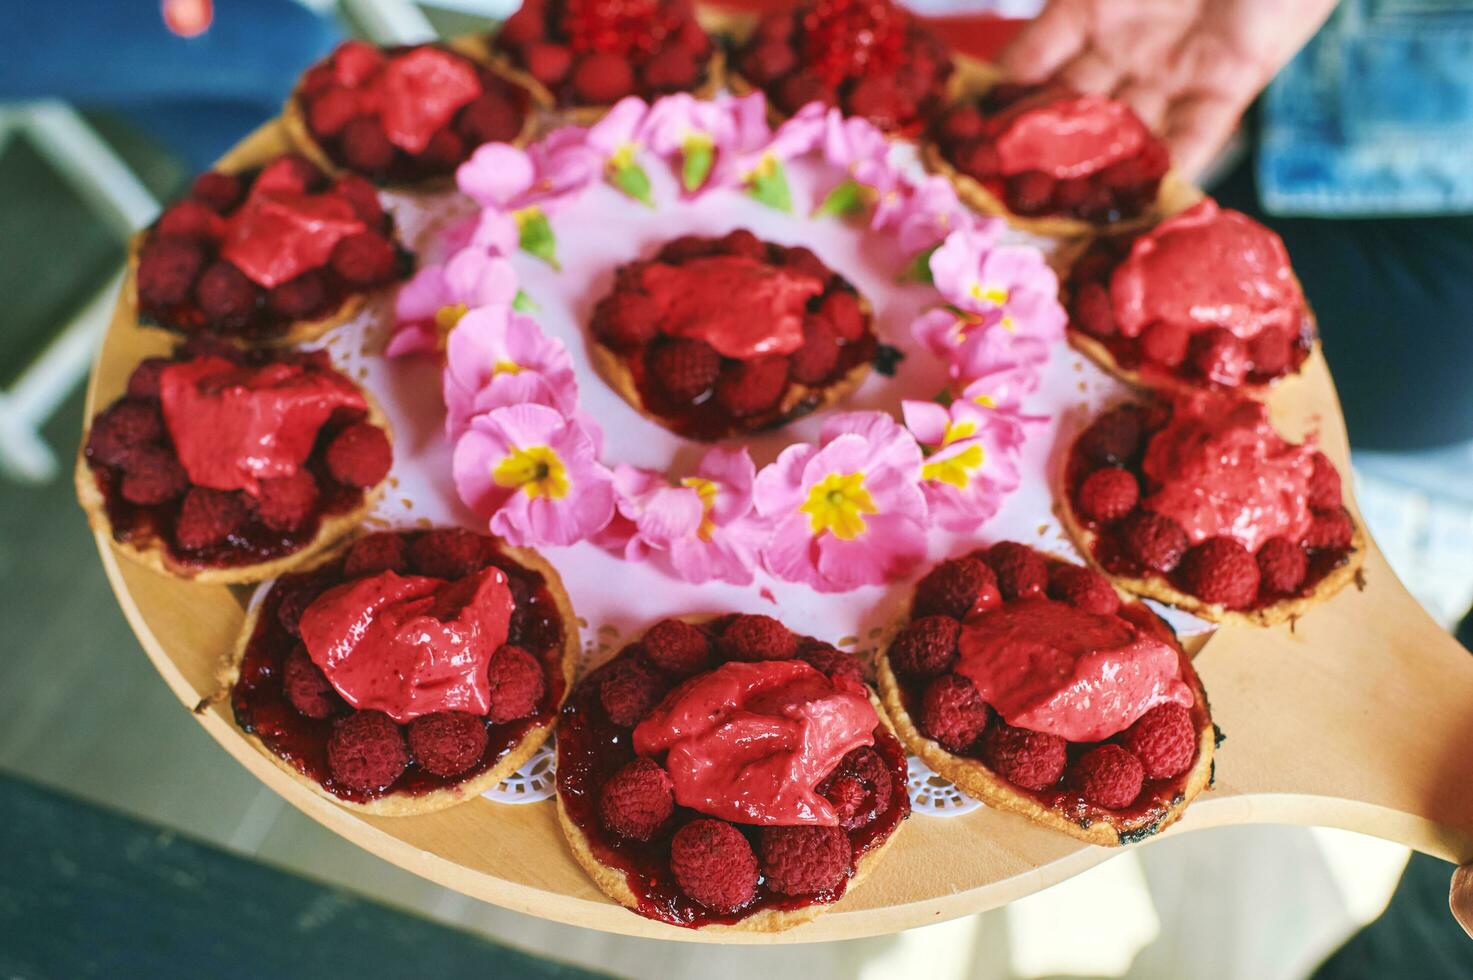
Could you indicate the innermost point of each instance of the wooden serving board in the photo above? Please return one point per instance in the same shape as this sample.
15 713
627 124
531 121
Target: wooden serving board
1358 716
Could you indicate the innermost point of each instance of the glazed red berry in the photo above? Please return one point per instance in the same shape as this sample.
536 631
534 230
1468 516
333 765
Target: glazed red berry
1165 343
627 320
152 475
167 268
1113 438
1219 356
1153 540
752 387
1270 351
444 151
677 647
124 426
684 369
1324 484
208 517
961 122
637 800
191 219
1330 531
881 100
331 110
289 173
1083 588
741 242
629 690
1164 741
307 687
1109 777
926 647
517 684
713 864
952 712
805 860
803 261
1221 571
815 361
547 62
802 87
365 259
526 24
978 159
956 588
841 309
299 298
1021 573
363 196
360 455
1107 494
355 62
1092 310
831 661
365 148
226 296
1032 760
217 191
376 553
447 743
672 69
768 61
756 637
1282 565
448 553
286 503
366 751
143 383
1030 193
602 78
491 117
860 788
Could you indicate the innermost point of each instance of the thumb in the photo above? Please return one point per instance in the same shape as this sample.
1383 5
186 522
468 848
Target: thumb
1460 897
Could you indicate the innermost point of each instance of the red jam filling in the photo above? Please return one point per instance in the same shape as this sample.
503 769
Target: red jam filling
388 643
740 306
277 235
235 425
750 742
1066 135
419 92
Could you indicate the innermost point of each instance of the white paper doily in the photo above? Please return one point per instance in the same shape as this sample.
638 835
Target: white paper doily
534 782
933 795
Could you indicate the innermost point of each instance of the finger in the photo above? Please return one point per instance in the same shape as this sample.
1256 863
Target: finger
1148 99
1460 897
1089 71
1196 128
1045 43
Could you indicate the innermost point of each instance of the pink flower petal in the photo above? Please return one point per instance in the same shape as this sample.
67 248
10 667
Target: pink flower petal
496 175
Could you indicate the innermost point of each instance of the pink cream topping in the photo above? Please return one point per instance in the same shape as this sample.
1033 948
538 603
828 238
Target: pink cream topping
419 92
740 306
277 235
1067 135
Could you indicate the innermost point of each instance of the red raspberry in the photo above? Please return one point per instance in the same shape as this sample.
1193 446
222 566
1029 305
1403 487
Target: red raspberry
713 864
366 751
360 455
330 110
1083 588
802 261
1164 741
365 148
629 690
1070 196
376 553
1092 310
672 69
953 713
1324 484
767 62
167 268
1107 494
126 425
287 503
363 196
693 38
444 151
1282 565
752 387
143 383
860 788
637 800
1109 777
1220 570
926 647
152 475
449 554
743 243
1032 760
777 26
754 637
957 588
307 687
1270 350
815 361
841 308
1219 356
689 247
684 369
226 297
191 219
208 517
1330 531
365 259
1165 343
802 87
627 320
1152 540
217 191
1030 192
960 123
978 159
1113 438
677 647
547 62
882 100
289 173
602 79
805 860
490 118
527 24
1021 573
517 684
299 298
831 661
355 62
447 743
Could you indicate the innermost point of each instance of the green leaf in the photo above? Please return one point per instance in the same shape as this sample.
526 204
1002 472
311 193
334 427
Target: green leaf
769 184
844 200
919 269
537 238
696 163
524 303
632 180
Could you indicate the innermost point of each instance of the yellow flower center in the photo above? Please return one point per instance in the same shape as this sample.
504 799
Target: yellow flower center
706 490
955 470
446 317
996 295
766 167
536 470
956 431
838 504
696 142
526 216
985 400
623 156
506 367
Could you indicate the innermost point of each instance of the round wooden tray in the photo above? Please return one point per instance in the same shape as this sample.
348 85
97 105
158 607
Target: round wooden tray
1357 716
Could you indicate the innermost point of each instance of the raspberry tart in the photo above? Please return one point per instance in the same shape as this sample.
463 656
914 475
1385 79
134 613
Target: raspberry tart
224 465
720 336
406 116
871 58
723 773
1027 682
406 672
1202 504
1205 300
273 253
585 55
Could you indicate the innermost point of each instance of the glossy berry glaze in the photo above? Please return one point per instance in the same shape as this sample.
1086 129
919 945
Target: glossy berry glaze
705 415
591 748
252 541
964 134
262 708
868 57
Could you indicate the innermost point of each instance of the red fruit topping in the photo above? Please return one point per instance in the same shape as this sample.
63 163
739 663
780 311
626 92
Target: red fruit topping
1152 540
287 503
742 242
841 309
360 455
956 588
1330 531
926 647
1220 570
815 361
1113 438
307 687
191 219
805 860
1032 760
1165 343
491 118
144 381
684 369
713 864
637 800
627 320
677 647
152 475
882 100
366 751
803 87
447 743
363 196
1031 192
1109 777
693 38
629 690
126 425
802 260
226 296
846 39
216 191
527 24
978 160
289 173
1324 484
167 268
778 26
444 151
376 553
769 61
1164 741
686 247
365 147
208 517
517 684
1270 351
1282 565
831 661
1092 311
449 554
953 713
754 637
961 122
331 110
355 62
752 387
1083 588
1021 573
672 69
547 62
601 79
299 298
860 788
365 259
1108 494
1218 355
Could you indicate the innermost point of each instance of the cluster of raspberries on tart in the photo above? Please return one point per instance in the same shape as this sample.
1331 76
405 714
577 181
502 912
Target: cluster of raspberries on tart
223 464
592 53
717 336
1027 682
408 671
726 772
404 115
868 57
276 254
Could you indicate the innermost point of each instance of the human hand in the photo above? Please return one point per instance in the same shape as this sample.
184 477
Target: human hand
1189 68
1460 898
